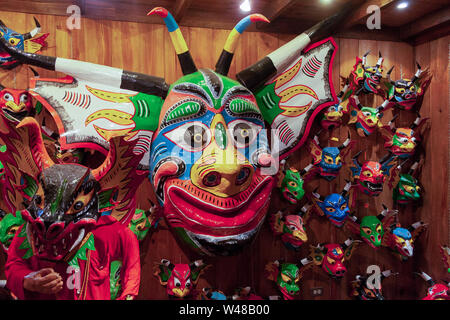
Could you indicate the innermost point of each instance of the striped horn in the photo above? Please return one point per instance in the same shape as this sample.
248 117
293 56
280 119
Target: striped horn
33 32
224 62
91 72
184 56
257 74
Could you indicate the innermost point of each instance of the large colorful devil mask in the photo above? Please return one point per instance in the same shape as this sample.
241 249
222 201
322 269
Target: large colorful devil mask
16 104
331 257
63 202
366 119
286 276
179 279
435 291
363 289
371 175
405 93
291 227
328 160
29 42
9 224
366 79
202 137
334 206
402 142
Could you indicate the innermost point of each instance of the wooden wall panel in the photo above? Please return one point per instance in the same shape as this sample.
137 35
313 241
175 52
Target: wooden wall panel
147 48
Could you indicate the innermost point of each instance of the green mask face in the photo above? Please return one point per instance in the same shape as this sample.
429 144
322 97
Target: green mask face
292 186
406 190
287 280
8 227
371 230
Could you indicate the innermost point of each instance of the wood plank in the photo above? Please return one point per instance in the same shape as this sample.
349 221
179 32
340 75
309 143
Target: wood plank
433 20
180 9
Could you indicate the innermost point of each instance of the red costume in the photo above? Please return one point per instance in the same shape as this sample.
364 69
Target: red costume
112 241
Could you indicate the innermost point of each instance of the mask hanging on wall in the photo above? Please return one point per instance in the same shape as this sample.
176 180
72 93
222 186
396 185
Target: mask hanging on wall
332 116
144 222
403 142
334 206
369 228
290 183
436 290
406 186
286 276
179 279
407 94
15 104
291 227
362 289
327 161
183 130
30 42
398 239
365 79
9 224
445 252
371 175
331 257
365 119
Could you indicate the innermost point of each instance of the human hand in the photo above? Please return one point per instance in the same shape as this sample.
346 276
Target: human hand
45 281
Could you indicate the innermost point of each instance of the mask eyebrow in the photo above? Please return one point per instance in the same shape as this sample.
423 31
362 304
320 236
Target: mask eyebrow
243 108
195 90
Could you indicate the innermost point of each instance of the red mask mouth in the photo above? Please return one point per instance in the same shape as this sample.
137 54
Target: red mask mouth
56 241
205 215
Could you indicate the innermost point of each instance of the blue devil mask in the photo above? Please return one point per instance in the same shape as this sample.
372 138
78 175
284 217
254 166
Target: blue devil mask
334 206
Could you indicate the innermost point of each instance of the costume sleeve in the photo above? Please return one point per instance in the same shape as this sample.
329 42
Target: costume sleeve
16 268
131 266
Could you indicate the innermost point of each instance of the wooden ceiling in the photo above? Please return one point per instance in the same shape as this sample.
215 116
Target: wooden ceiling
421 21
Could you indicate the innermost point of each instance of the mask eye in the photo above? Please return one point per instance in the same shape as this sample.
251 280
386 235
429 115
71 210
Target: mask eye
329 160
368 174
331 261
330 209
8 96
417 188
24 98
80 202
332 109
366 230
192 136
412 89
400 90
338 160
286 279
293 184
409 189
13 41
379 228
243 132
177 282
39 197
188 283
366 114
343 207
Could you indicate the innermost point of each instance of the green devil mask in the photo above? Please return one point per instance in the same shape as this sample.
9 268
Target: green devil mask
292 186
287 276
8 227
371 230
407 189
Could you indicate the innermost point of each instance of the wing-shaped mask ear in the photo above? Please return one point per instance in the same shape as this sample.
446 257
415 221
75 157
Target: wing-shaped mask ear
293 83
119 179
95 103
24 160
163 270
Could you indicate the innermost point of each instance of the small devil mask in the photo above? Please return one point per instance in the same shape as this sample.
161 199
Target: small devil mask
179 279
291 227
